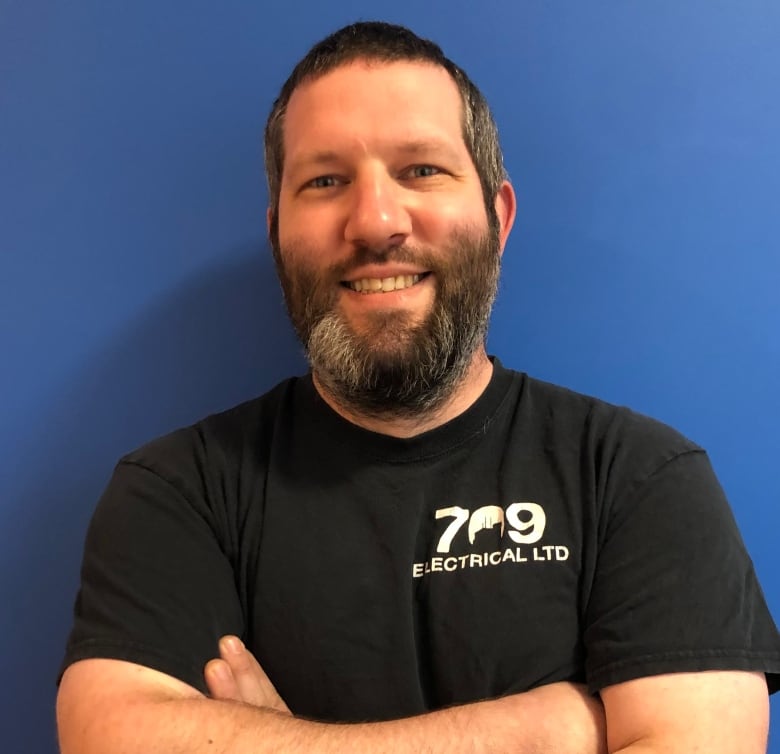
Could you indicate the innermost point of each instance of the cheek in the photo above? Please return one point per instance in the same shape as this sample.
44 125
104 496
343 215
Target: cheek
435 220
314 227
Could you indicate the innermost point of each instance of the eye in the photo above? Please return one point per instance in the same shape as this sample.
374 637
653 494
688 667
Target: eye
322 181
423 171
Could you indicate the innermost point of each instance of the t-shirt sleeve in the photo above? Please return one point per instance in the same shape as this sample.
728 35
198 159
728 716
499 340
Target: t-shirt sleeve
157 585
674 589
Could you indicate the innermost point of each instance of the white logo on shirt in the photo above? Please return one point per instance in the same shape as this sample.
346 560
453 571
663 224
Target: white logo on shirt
526 521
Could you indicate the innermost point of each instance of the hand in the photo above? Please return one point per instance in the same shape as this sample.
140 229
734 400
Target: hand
237 676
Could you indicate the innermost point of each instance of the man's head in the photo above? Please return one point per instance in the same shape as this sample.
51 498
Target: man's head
380 42
386 234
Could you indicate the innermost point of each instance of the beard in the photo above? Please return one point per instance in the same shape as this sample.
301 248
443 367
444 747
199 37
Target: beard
394 366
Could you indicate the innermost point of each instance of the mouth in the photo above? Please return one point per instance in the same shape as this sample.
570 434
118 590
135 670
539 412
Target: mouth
384 285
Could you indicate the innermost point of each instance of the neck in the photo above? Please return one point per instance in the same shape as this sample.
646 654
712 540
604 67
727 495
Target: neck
464 395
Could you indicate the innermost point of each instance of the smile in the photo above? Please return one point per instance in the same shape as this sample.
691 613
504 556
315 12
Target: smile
384 285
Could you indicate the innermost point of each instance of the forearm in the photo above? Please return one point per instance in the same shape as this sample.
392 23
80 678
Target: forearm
523 723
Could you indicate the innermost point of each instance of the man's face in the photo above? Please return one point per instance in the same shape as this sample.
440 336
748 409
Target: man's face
384 250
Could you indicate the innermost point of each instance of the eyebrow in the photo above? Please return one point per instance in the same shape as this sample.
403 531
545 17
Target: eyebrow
319 157
415 148
427 146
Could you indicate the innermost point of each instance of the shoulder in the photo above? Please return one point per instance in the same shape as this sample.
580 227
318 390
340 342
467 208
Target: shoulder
218 445
566 405
590 432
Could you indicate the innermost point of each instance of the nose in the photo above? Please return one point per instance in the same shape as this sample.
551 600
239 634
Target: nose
378 215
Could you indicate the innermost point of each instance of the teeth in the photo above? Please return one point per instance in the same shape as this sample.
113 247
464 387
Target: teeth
384 285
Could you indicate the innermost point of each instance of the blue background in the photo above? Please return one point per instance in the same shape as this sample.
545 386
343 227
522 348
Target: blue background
137 291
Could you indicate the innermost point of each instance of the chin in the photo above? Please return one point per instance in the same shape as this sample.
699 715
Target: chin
389 326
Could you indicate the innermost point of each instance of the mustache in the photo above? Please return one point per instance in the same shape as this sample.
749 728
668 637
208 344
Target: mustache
401 254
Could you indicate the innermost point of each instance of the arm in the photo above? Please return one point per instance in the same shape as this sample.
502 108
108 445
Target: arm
111 706
678 635
723 712
718 712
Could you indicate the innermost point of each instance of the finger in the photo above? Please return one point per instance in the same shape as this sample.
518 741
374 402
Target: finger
249 677
253 684
220 681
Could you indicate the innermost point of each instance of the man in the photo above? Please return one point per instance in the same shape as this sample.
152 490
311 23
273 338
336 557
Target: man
413 539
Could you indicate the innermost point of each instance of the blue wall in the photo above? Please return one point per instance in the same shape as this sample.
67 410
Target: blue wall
137 291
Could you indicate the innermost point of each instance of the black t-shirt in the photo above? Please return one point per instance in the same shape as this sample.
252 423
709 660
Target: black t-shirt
540 536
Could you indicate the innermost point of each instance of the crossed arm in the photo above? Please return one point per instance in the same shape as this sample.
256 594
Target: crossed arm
110 706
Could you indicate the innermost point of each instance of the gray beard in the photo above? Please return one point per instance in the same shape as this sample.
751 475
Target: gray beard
395 369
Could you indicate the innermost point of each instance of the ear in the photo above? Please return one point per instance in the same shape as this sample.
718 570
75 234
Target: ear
506 207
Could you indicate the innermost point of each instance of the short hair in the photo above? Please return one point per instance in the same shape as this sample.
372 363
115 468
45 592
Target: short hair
376 41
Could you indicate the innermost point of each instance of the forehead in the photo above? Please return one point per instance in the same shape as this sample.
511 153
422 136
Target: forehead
373 104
